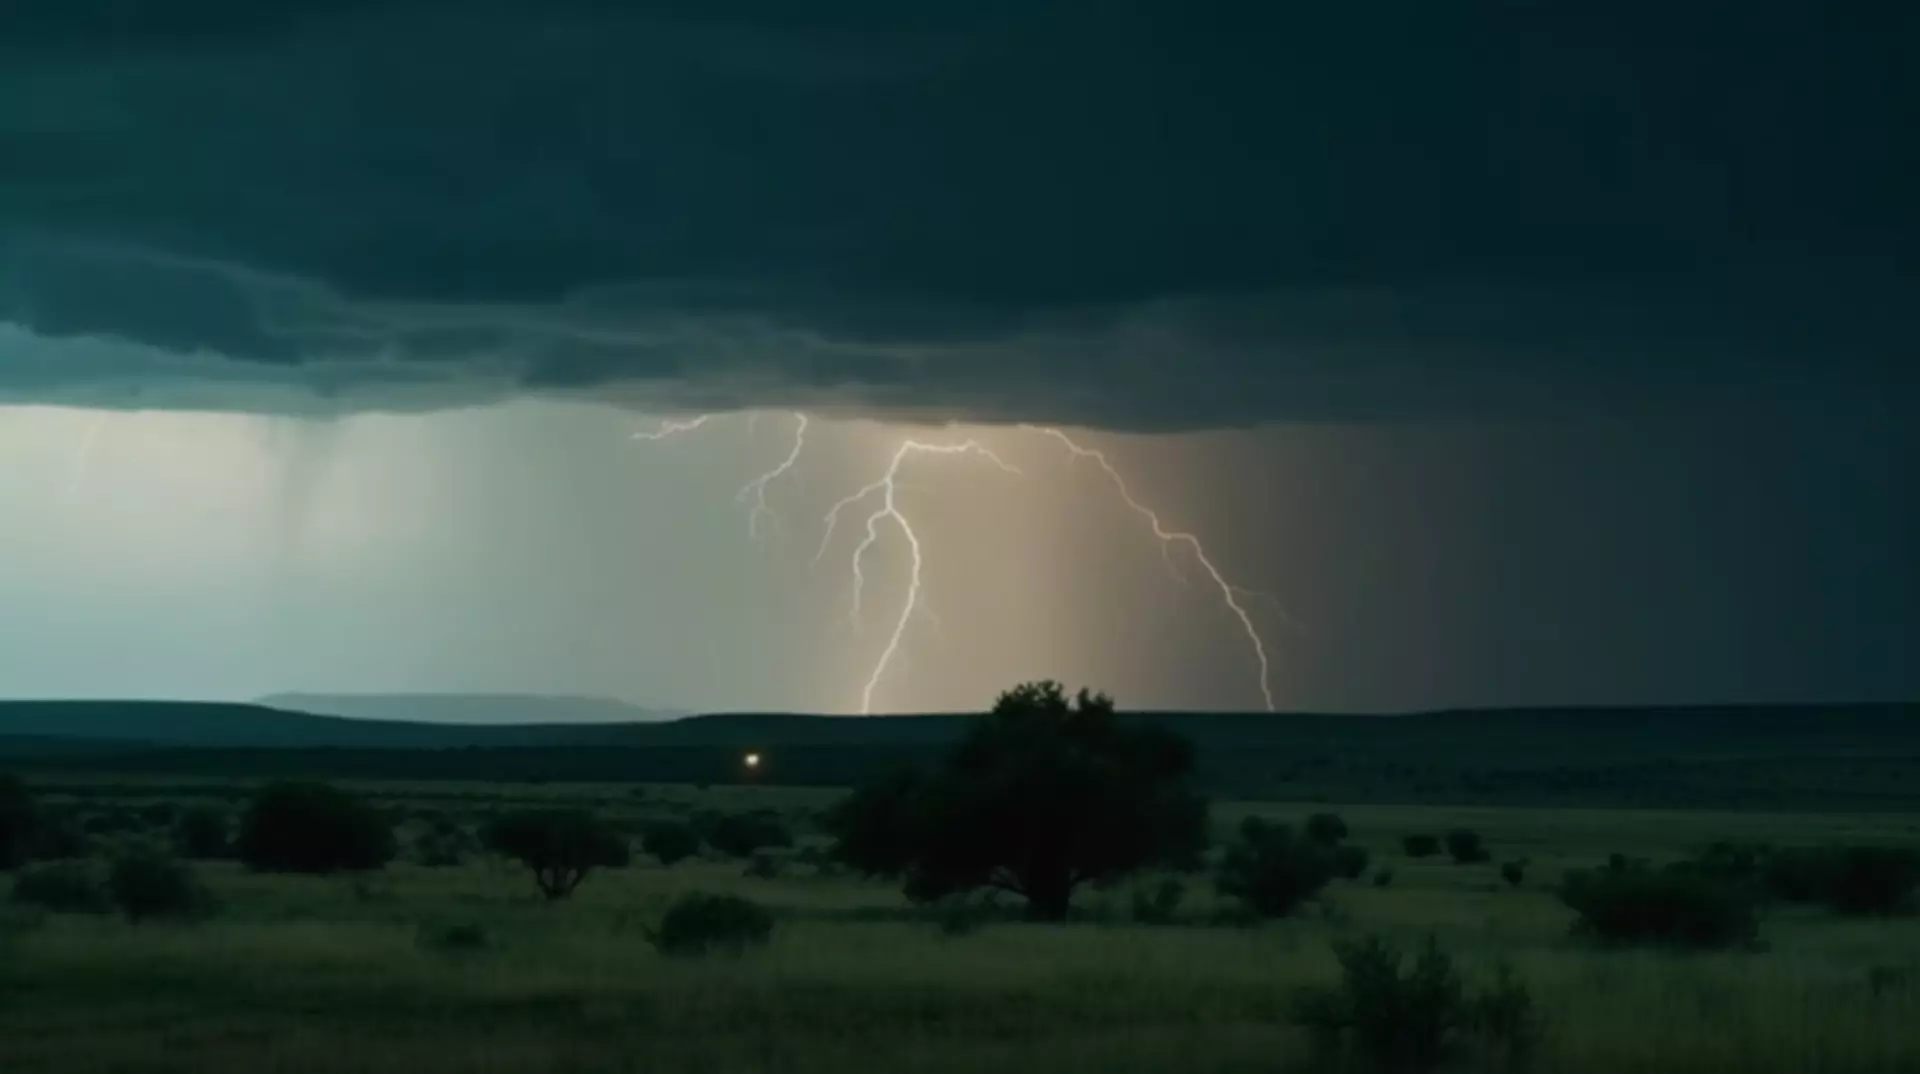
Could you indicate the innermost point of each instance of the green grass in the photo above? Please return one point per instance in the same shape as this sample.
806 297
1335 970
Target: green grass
310 975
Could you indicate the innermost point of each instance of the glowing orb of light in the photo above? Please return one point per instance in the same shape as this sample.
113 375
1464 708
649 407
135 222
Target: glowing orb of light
752 760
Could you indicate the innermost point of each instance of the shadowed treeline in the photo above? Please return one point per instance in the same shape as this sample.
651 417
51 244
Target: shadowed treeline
1801 757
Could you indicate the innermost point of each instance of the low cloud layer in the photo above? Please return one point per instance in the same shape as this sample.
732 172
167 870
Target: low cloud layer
1129 215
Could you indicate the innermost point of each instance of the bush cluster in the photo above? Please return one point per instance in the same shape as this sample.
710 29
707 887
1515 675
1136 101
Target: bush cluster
1272 871
698 923
1388 1016
1853 880
670 842
313 828
1676 906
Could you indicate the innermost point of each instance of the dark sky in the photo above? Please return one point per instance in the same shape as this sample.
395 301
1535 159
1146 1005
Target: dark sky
1527 351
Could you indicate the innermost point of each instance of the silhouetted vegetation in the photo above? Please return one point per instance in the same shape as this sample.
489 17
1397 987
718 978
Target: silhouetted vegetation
1466 847
204 832
1159 905
741 835
698 923
1045 794
17 823
460 937
64 887
1672 907
147 886
670 842
1272 871
1327 829
1399 1019
1350 862
561 846
59 836
312 828
1854 880
1514 873
445 844
1421 846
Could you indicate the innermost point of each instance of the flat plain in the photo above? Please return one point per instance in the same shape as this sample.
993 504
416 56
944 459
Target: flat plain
312 974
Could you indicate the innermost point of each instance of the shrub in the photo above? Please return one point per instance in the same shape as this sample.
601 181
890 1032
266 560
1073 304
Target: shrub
64 887
204 833
561 846
1350 862
452 938
1326 829
1271 871
1402 1021
1161 904
312 828
741 835
444 845
698 923
670 842
1466 847
1421 846
147 885
765 866
60 837
1672 907
1514 873
1855 880
17 823
1383 878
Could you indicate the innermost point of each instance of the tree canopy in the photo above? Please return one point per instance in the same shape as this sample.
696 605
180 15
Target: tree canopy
1045 794
561 846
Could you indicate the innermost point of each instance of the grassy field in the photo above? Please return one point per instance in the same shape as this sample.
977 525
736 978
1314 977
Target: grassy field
310 975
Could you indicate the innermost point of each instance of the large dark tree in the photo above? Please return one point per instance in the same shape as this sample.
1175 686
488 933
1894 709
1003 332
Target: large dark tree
1046 793
312 828
561 846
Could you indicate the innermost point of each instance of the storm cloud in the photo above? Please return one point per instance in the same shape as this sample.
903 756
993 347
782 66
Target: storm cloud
1134 215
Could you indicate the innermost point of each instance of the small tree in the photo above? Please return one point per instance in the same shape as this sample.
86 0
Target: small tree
1350 861
742 835
1326 829
1514 873
17 823
312 828
1421 846
561 846
1045 794
147 886
670 842
204 833
1466 847
1272 871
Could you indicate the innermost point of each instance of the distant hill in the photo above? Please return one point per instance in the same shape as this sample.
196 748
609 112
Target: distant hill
471 709
1854 757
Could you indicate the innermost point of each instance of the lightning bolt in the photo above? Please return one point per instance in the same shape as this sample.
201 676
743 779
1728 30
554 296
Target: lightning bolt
672 428
1229 593
83 458
887 487
757 488
887 514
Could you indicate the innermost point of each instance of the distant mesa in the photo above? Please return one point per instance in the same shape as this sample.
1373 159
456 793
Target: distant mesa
473 710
